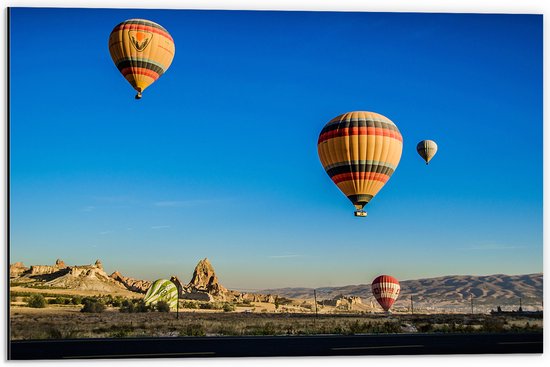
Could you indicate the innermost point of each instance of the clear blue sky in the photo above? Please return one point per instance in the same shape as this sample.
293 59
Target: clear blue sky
219 158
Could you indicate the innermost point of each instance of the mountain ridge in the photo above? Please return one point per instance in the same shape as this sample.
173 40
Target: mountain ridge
445 291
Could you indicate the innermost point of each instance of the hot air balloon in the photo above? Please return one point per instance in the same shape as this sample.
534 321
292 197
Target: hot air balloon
385 289
142 51
426 149
360 151
162 290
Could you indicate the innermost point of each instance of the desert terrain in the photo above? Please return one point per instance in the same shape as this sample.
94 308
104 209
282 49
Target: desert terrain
83 301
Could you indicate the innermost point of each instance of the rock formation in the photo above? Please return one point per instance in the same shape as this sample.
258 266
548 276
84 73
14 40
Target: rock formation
86 277
205 286
205 279
179 285
17 269
342 301
98 264
131 284
60 275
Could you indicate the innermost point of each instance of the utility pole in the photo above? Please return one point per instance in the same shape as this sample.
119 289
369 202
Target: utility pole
412 308
520 308
315 299
178 305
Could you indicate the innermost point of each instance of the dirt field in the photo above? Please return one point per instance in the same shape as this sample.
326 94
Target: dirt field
65 321
62 318
71 292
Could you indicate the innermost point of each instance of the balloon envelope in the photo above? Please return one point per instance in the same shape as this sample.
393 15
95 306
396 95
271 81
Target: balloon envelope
360 151
426 149
162 290
385 289
142 51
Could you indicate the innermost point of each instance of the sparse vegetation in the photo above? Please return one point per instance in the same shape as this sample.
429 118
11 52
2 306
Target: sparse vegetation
200 318
35 325
60 333
193 330
189 304
134 306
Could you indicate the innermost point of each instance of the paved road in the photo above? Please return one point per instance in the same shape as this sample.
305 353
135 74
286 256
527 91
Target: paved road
395 344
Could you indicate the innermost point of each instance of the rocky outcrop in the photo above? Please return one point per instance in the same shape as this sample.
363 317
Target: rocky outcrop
343 302
79 277
205 286
198 295
205 279
134 285
255 297
179 284
17 269
42 269
83 277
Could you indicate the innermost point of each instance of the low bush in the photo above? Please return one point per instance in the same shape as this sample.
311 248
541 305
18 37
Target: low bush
92 305
36 301
162 306
228 307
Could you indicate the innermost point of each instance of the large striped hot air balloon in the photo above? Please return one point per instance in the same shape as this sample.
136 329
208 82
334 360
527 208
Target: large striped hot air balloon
162 290
142 51
360 151
385 289
426 149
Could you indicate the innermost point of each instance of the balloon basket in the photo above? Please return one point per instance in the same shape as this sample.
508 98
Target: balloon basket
360 213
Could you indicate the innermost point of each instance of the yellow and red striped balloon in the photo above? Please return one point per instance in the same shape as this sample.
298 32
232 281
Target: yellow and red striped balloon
142 51
385 289
360 151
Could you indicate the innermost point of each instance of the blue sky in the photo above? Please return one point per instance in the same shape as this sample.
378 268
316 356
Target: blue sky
219 158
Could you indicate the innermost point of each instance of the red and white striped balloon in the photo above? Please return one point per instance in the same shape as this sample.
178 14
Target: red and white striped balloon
385 289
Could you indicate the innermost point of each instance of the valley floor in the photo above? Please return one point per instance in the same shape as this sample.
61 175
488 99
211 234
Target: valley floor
65 321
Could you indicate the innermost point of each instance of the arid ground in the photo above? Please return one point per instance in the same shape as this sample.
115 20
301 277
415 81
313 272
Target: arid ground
66 321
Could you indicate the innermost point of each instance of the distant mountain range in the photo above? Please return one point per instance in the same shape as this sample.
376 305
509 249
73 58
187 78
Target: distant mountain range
453 291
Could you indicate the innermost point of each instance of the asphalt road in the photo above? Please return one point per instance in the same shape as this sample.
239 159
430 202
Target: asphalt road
388 344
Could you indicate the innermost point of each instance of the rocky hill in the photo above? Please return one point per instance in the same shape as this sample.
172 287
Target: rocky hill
447 292
78 277
134 285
